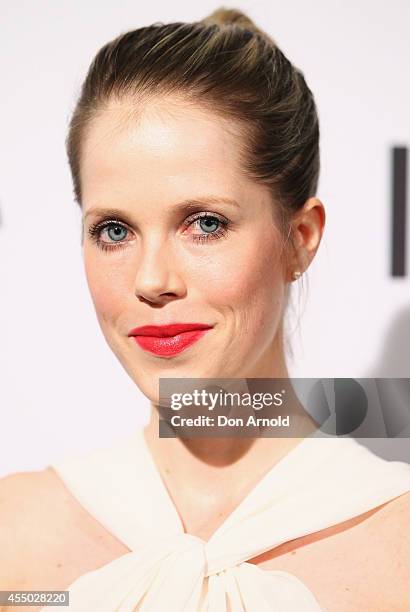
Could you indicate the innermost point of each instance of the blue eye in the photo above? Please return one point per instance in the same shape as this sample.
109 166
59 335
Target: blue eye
208 224
212 227
115 231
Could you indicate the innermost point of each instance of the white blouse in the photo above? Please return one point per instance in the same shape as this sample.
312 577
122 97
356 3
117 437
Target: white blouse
321 482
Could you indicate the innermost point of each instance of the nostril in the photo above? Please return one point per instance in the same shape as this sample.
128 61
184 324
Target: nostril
158 301
154 303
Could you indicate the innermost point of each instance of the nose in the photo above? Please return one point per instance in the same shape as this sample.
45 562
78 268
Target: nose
157 280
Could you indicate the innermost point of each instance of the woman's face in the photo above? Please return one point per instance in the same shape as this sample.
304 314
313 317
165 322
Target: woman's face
157 262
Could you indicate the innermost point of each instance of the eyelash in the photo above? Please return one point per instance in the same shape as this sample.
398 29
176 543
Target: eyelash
96 229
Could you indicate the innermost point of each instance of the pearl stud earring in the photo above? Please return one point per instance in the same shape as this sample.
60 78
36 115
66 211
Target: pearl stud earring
296 274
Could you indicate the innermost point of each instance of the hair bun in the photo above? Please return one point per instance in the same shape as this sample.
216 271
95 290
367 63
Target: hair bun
225 16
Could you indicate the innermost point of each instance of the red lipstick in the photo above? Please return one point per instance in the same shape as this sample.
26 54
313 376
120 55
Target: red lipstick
168 340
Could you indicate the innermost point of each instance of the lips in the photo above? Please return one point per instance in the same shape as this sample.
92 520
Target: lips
163 331
168 340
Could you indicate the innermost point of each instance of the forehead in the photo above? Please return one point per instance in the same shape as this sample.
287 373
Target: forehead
169 149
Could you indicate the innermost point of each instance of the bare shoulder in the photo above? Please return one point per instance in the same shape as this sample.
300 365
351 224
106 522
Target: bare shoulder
48 538
360 564
26 518
388 534
391 524
20 488
23 494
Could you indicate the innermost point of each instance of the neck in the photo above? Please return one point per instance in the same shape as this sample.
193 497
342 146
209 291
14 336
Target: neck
224 468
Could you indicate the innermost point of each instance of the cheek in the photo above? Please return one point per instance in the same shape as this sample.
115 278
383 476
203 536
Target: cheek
108 286
250 283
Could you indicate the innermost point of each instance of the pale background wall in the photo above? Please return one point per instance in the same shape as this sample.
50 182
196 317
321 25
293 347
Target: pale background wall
62 389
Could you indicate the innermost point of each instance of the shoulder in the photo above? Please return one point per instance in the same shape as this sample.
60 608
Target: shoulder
13 485
22 495
26 500
48 538
362 563
392 522
389 539
26 494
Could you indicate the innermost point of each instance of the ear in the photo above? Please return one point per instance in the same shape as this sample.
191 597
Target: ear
307 227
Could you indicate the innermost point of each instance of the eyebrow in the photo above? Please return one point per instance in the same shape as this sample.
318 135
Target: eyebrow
185 205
